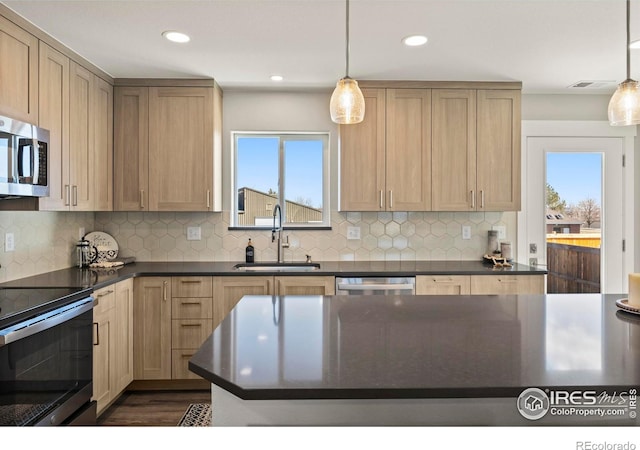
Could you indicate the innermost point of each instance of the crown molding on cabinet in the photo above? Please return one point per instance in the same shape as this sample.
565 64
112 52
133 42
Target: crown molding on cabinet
419 84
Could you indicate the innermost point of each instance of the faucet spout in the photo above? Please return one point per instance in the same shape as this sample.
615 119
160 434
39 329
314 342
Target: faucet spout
277 211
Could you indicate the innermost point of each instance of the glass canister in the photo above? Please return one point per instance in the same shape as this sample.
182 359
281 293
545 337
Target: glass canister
492 242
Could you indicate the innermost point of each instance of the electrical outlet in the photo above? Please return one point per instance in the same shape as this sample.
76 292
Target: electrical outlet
466 232
353 233
194 233
9 242
502 231
533 262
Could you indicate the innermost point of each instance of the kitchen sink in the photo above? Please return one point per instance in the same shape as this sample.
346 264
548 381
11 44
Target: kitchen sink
277 267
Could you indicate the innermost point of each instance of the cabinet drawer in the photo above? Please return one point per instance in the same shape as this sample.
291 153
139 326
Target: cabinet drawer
507 284
180 364
191 287
104 299
192 308
190 333
443 285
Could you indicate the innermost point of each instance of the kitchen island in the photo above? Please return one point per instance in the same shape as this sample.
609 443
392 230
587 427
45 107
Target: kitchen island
423 360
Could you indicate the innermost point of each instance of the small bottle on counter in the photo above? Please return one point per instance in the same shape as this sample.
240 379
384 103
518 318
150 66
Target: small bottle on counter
249 252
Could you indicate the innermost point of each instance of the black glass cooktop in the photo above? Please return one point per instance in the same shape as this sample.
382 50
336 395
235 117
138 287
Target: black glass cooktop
17 304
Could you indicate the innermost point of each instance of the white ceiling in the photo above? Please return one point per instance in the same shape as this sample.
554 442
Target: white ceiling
548 45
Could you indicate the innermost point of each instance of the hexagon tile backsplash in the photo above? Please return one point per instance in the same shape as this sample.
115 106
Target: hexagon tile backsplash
44 241
383 236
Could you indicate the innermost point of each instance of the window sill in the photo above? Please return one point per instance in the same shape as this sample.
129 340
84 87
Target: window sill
312 228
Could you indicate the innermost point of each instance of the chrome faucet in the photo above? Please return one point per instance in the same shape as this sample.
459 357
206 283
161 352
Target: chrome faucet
277 210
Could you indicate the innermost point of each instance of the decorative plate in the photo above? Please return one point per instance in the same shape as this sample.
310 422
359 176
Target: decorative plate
624 305
102 246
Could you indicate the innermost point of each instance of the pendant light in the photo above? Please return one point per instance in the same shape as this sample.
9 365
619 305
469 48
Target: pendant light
624 106
347 101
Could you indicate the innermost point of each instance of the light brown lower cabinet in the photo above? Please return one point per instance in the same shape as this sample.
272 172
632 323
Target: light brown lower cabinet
192 317
495 284
507 284
112 342
229 290
152 328
443 284
104 347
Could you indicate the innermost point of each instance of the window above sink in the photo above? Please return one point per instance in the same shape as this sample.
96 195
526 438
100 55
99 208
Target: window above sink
289 169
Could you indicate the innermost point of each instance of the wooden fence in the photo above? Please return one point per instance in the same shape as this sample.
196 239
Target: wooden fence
572 269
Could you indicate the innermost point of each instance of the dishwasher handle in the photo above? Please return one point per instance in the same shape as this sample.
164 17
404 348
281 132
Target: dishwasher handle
367 287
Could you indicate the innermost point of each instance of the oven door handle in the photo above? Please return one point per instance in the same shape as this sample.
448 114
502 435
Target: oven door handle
375 287
45 321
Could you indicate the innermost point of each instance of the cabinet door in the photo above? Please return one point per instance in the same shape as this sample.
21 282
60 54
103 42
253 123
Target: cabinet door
453 150
443 285
131 149
507 284
305 285
123 355
54 116
103 347
181 148
81 136
227 291
152 328
362 157
498 150
18 73
408 150
103 146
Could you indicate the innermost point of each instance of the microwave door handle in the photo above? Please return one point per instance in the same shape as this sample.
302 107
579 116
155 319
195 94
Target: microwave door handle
22 144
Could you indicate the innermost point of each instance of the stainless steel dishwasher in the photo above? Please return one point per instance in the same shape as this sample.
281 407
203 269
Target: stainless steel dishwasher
376 286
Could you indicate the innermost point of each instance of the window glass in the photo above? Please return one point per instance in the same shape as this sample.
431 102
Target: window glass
303 175
286 169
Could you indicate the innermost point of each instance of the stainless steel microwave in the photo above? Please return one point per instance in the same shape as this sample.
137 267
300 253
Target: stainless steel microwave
24 156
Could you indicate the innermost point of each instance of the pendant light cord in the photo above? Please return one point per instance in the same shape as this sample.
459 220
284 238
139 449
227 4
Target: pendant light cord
347 40
628 40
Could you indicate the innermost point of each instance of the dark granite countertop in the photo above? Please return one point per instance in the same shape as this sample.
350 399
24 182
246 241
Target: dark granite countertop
74 277
333 347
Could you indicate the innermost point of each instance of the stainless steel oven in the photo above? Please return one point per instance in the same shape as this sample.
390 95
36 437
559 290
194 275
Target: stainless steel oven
46 357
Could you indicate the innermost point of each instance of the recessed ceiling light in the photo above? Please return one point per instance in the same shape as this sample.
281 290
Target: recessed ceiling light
415 40
635 44
176 36
277 78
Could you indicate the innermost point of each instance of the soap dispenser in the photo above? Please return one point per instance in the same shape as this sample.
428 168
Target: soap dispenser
249 252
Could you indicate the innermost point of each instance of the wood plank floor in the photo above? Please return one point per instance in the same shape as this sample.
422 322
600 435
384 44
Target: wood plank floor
151 408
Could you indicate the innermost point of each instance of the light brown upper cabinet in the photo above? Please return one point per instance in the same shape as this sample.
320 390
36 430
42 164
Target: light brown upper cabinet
76 108
433 146
498 149
18 73
167 148
476 150
385 161
454 150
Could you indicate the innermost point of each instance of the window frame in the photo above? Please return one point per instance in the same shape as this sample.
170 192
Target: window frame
283 136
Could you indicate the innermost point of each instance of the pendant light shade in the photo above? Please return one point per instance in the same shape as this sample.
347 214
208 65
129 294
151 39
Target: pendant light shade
624 106
347 102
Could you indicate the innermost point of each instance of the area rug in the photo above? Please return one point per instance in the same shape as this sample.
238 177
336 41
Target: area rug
196 415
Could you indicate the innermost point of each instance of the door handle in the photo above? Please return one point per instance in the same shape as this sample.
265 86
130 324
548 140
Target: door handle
473 199
67 195
141 198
